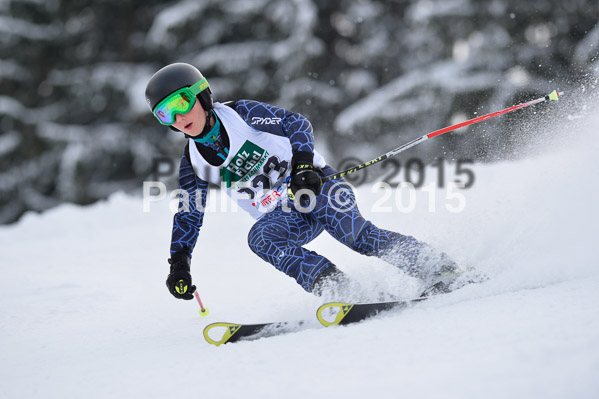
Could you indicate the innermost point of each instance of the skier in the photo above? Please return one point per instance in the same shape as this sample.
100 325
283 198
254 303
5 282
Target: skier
264 157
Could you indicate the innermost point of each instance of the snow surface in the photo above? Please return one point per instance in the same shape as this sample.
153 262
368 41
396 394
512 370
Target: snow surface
84 310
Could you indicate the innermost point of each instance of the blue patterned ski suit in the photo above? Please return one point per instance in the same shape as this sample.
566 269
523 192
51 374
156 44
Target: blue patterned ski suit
279 236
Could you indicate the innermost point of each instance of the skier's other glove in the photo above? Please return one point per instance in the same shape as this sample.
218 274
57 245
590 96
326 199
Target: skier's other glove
178 281
303 177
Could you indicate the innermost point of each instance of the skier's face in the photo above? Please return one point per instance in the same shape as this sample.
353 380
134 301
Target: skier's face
191 123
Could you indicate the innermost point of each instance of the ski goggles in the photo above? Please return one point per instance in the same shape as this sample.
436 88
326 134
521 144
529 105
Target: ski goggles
178 102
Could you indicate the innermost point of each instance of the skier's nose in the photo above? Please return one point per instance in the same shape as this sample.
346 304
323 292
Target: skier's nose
179 118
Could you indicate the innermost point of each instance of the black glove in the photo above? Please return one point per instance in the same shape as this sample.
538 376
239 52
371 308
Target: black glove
178 281
303 177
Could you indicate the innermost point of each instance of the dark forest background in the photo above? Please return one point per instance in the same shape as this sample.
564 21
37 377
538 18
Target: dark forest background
370 75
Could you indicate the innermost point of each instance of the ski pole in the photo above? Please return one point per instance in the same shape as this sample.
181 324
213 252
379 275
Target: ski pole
203 311
554 95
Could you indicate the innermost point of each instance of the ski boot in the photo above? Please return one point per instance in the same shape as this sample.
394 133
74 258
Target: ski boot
335 285
450 278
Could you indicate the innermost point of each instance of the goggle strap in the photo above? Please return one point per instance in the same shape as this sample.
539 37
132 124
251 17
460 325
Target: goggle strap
199 87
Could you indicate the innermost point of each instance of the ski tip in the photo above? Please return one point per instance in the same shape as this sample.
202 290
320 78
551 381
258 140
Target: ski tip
331 314
554 95
227 331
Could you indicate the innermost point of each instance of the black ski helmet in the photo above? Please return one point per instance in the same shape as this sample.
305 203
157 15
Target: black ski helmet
172 78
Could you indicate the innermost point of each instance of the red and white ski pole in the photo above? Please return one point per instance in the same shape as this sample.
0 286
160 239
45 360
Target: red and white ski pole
203 310
554 95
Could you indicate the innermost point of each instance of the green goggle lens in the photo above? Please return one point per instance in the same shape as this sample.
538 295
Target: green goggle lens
178 102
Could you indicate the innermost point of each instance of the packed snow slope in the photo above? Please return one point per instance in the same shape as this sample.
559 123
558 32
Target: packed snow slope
84 311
